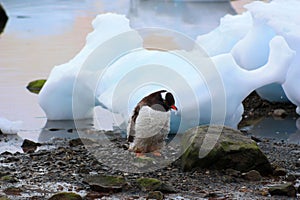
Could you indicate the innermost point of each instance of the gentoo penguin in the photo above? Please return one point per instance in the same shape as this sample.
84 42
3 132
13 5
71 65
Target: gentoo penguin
150 123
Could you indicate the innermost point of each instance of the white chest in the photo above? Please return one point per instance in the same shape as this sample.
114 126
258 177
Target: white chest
151 122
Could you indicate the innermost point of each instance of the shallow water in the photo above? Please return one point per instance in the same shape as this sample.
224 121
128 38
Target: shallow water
282 130
42 34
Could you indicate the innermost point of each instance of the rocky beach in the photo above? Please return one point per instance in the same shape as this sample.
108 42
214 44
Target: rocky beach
61 162
85 169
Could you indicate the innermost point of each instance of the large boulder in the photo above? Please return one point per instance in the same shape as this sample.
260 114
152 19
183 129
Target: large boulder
3 18
224 148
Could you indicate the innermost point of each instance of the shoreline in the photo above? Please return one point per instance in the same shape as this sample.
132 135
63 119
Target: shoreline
61 165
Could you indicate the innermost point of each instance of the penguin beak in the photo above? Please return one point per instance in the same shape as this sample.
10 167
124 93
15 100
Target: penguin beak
174 107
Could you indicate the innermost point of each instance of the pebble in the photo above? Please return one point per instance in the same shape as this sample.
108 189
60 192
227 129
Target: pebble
281 113
279 171
286 189
290 178
65 164
252 175
155 195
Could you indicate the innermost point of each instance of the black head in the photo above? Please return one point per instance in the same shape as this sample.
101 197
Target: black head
170 101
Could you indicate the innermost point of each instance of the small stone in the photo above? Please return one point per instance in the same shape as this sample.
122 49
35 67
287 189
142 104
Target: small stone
252 175
155 195
102 183
80 141
279 171
152 184
66 196
8 179
264 192
95 195
233 172
290 178
286 189
13 191
281 113
29 146
4 198
36 86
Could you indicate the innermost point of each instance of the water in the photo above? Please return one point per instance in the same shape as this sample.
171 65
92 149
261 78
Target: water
282 130
42 34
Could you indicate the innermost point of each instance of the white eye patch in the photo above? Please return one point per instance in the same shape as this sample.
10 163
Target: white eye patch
163 95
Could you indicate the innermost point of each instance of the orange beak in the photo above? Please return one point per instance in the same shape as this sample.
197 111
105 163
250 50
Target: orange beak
174 107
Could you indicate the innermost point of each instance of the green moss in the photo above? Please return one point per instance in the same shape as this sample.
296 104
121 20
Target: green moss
149 183
228 146
36 86
112 180
4 198
105 181
66 196
8 178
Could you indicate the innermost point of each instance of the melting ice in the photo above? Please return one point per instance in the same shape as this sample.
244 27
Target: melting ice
114 70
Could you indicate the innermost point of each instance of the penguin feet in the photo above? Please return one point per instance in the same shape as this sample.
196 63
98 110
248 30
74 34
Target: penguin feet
156 153
140 155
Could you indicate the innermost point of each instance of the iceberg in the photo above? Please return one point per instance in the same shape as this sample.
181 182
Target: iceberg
116 69
279 17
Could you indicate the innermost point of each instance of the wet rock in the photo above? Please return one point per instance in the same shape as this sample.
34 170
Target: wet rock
29 146
13 191
66 196
279 171
290 178
8 179
95 195
155 195
286 189
279 113
36 86
252 175
224 148
102 183
4 198
80 141
233 173
256 139
152 184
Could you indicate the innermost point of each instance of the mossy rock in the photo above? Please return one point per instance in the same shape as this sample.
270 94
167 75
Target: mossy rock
152 184
8 179
218 147
101 183
13 191
4 198
36 86
66 196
